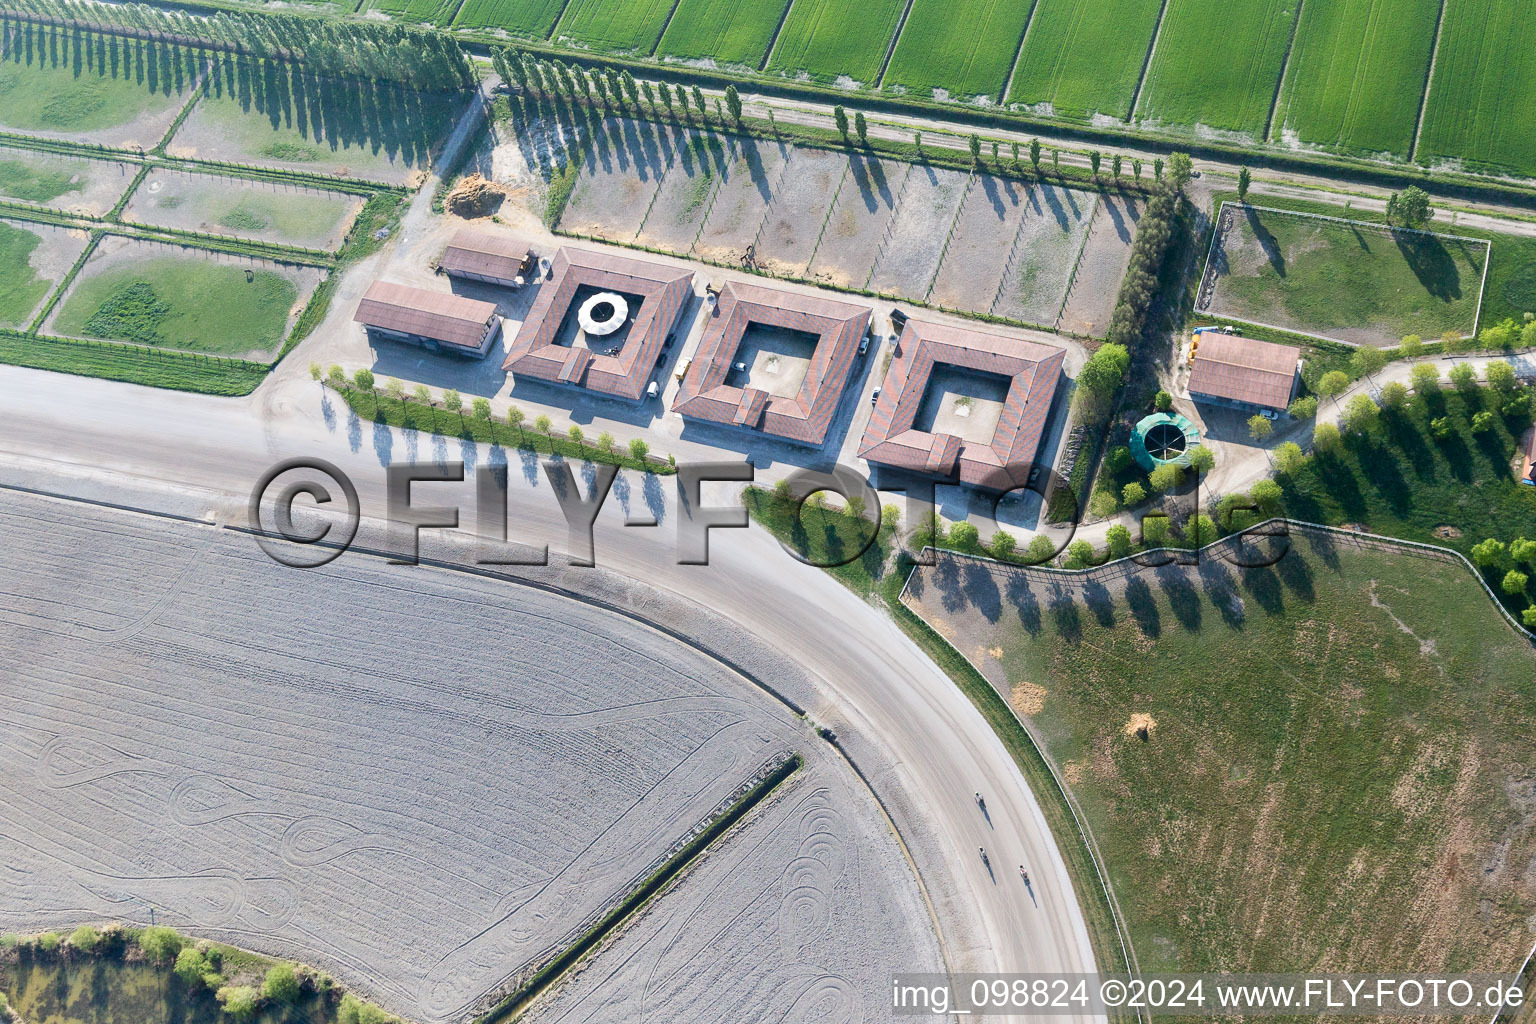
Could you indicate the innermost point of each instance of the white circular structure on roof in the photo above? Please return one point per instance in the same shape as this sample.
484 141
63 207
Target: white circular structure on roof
602 313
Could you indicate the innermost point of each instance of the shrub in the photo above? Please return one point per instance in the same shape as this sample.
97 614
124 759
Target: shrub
239 1001
964 536
1303 408
1119 540
1133 494
281 984
1362 414
354 1011
1482 422
1488 553
1103 503
1326 438
1119 458
1163 401
1515 582
363 378
48 941
1394 396
1441 428
1166 477
191 966
1463 377
160 943
85 938
1289 457
1003 543
1529 617
1202 459
1522 550
1041 549
1425 377
1079 554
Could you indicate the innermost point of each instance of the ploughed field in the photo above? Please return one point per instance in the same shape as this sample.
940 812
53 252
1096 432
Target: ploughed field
419 780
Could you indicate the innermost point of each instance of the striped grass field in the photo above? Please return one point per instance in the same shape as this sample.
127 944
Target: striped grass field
431 12
965 47
1356 75
615 26
1218 64
1484 88
729 32
533 19
1084 57
830 39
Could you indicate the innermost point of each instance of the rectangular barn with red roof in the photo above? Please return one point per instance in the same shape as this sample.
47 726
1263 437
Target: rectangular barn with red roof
966 403
773 361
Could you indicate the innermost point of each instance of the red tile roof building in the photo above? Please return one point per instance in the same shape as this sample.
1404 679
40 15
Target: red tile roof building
438 318
804 417
1244 371
664 292
1034 373
484 256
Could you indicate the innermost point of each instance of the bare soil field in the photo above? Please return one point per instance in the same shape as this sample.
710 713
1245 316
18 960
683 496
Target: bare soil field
775 924
1106 255
70 183
1039 268
741 204
700 162
377 134
983 237
417 779
789 235
268 211
1317 764
621 171
857 225
915 242
23 290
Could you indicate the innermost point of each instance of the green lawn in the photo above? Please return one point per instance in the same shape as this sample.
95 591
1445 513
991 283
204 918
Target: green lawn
59 98
831 39
20 287
35 178
1484 87
180 301
1351 282
1338 747
534 19
1356 75
965 47
617 26
1218 63
729 32
1084 57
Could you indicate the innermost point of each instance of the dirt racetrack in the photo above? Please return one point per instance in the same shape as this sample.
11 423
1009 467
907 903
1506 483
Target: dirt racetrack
418 779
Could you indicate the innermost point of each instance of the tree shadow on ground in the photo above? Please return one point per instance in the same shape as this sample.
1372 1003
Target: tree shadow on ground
1267 241
1431 263
1022 596
1143 607
1183 599
981 590
869 175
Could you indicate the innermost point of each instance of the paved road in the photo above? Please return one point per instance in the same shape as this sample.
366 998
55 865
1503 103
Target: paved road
96 437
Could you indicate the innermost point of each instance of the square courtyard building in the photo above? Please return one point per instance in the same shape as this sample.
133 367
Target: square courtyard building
773 361
966 402
600 322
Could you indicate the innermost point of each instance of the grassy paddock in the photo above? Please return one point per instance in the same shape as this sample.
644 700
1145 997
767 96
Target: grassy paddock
20 287
133 365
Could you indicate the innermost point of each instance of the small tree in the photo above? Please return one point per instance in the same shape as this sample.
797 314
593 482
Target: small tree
1103 503
1181 170
1501 377
1259 427
1522 550
1200 531
1488 553
1267 495
1463 377
1094 157
733 103
975 144
1163 401
1394 396
336 376
160 943
239 1001
192 967
1034 155
638 449
314 370
422 394
1362 415
1155 529
1482 422
1041 550
1119 539
1166 477
1333 383
964 536
1013 149
281 985
542 423
1368 361
452 400
917 140
1157 168
995 160
480 409
515 418
1515 582
1289 457
1115 165
1326 438
1425 377
1136 168
1133 494
49 942
605 441
1411 347
1410 208
666 95
363 378
1079 554
85 939
1304 407
395 389
1056 162
861 127
840 118
574 433
1003 544
1529 618
650 96
1201 459
1244 179
698 101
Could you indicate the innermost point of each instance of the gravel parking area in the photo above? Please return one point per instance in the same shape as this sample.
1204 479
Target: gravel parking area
623 166
915 242
414 778
700 163
857 225
741 204
92 187
1040 267
810 183
1106 255
978 250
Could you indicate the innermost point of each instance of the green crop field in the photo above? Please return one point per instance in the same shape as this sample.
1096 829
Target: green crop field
1351 281
618 26
431 12
534 19
1084 57
829 39
1218 64
20 287
1484 88
965 47
180 301
728 32
1356 75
